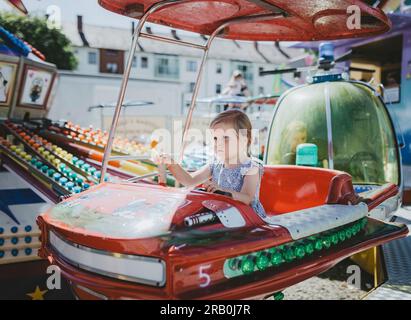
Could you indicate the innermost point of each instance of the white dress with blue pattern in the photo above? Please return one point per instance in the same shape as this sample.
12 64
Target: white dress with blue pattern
233 179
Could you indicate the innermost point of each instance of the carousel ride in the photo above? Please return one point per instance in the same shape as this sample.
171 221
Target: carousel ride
134 240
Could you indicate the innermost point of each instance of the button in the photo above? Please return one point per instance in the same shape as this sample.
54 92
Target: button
27 239
14 229
14 252
28 228
70 185
1 241
56 176
63 181
1 230
14 240
28 251
1 254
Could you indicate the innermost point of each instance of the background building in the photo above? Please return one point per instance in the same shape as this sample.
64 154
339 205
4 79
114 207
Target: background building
162 73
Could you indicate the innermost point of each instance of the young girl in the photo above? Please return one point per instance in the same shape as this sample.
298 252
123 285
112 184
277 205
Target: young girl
233 170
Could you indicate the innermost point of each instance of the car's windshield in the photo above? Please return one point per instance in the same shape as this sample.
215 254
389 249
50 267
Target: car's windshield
120 211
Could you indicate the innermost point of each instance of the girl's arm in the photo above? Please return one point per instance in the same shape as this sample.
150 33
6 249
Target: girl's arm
187 179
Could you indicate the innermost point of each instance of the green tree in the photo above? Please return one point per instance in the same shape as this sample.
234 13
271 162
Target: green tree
50 41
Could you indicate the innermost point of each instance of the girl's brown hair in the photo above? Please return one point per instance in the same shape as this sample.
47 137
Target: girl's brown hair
238 119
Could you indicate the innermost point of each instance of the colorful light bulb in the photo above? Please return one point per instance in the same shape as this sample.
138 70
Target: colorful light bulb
247 265
277 258
309 247
262 261
299 251
334 238
326 242
289 254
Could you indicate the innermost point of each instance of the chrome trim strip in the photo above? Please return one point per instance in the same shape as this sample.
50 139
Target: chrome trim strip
125 257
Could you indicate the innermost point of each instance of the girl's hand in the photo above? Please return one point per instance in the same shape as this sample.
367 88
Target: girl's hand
211 186
161 158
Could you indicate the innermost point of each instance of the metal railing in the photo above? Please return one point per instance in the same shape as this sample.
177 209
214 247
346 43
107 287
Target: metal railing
137 33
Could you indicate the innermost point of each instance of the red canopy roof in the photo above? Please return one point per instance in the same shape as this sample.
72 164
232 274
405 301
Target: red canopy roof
19 5
303 20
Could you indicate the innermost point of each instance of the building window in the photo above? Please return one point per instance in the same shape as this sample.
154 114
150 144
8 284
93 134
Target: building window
134 63
218 88
92 58
144 62
219 68
112 67
191 87
166 66
191 66
111 61
260 90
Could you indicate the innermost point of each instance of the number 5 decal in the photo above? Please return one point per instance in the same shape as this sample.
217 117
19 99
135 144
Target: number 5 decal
205 278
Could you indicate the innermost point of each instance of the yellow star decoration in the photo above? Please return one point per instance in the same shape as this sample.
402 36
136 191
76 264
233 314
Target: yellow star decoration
37 294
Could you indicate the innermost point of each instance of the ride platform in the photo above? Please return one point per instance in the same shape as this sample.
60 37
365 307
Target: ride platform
397 256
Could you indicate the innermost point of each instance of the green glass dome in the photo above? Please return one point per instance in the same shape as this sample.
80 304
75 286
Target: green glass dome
348 123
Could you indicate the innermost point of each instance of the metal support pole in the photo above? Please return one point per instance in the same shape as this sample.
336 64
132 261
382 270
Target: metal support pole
197 87
137 31
329 127
201 69
136 35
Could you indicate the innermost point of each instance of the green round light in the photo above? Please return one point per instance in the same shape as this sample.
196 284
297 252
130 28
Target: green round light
363 222
247 265
299 251
289 254
353 229
234 264
341 235
334 238
327 242
278 296
262 261
276 258
318 244
348 233
309 247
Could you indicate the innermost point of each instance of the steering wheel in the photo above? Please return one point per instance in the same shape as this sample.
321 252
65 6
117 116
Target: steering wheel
223 193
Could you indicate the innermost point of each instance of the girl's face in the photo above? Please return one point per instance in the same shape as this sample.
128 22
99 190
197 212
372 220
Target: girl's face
298 138
228 146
